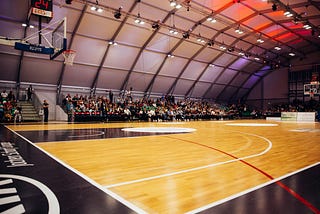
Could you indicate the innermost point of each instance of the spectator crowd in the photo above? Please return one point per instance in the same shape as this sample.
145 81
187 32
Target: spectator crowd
100 108
8 107
82 108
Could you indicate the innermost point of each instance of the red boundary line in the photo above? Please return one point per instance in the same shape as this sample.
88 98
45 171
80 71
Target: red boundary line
282 185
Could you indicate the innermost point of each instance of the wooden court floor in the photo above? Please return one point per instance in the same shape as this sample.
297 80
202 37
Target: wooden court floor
215 163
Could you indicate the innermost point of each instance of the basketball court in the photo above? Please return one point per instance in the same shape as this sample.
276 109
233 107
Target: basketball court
243 166
217 166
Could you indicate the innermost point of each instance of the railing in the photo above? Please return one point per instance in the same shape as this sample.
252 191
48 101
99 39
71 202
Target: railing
36 102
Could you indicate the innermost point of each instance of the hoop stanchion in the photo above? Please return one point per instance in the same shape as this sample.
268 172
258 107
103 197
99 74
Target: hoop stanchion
68 56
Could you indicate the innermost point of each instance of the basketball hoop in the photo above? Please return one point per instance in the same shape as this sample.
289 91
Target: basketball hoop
68 56
311 94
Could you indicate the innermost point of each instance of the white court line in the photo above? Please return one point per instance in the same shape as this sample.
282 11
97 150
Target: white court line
248 191
108 192
88 135
197 168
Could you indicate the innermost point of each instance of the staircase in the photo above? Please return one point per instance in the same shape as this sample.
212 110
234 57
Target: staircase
29 113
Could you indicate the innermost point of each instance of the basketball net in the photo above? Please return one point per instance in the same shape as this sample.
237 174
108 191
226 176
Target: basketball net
68 56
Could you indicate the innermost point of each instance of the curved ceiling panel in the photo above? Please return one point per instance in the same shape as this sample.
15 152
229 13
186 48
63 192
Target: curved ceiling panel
111 78
121 56
161 84
139 81
199 89
89 51
149 32
172 67
194 70
211 74
97 27
149 62
182 86
226 76
133 35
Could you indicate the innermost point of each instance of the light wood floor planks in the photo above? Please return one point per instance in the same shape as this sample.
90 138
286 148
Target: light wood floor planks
177 173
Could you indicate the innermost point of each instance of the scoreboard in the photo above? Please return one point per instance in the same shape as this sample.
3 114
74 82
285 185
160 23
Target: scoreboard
41 8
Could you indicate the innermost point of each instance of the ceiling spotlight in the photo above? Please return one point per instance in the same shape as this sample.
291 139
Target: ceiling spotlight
27 25
257 58
274 7
200 40
210 43
231 49
260 40
173 31
117 14
175 4
185 35
287 14
241 53
277 48
112 43
222 47
238 31
211 65
170 55
139 20
212 20
155 25
94 8
292 54
306 26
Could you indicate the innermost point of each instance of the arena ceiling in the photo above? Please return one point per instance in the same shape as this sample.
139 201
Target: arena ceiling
142 58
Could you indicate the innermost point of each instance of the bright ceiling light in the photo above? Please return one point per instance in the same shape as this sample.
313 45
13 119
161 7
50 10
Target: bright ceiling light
306 26
139 20
175 4
212 20
260 40
173 31
292 54
287 13
222 47
277 48
238 31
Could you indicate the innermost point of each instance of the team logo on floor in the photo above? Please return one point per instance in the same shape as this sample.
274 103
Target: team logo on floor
14 159
20 194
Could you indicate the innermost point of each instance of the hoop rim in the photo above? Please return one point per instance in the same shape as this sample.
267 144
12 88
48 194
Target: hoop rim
68 51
